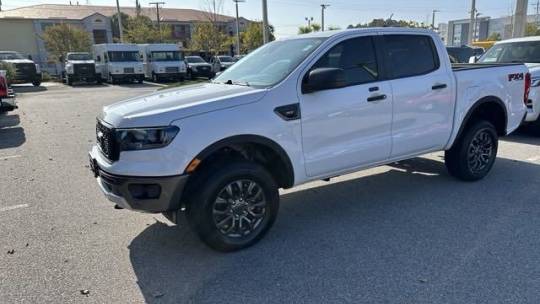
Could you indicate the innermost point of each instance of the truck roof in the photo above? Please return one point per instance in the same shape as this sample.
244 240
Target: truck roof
160 47
522 39
328 34
117 46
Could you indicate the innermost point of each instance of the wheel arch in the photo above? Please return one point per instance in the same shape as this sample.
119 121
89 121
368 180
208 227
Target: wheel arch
253 147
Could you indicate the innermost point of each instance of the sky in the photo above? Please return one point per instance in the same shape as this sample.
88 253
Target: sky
288 15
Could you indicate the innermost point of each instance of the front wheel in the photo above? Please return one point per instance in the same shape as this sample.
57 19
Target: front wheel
36 83
233 206
474 153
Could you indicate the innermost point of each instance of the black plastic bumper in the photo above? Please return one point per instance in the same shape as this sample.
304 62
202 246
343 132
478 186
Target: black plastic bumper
128 191
7 104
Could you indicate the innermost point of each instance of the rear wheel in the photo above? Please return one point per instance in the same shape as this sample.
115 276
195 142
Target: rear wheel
233 206
474 153
141 79
36 83
69 80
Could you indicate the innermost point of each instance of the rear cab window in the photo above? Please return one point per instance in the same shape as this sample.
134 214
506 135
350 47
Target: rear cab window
410 55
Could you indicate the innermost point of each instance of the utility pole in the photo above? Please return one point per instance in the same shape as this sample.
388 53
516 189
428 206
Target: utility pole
265 22
237 28
308 19
120 28
536 5
433 18
471 23
476 25
323 8
520 19
158 19
0 5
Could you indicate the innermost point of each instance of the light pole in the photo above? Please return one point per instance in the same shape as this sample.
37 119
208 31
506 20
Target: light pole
265 22
158 21
471 22
475 25
237 28
323 7
120 28
433 19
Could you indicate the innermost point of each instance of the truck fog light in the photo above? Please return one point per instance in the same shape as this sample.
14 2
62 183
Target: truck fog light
145 191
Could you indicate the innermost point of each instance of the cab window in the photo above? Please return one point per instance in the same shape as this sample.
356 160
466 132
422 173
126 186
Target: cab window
410 55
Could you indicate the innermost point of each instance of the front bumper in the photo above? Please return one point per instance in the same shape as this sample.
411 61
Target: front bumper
8 104
27 78
171 75
127 76
125 191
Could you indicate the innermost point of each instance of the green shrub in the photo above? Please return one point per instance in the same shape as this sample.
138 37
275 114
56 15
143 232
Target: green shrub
10 70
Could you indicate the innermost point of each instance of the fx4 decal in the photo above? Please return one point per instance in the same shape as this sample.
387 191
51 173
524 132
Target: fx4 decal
515 77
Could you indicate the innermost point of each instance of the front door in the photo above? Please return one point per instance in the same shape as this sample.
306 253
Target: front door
350 126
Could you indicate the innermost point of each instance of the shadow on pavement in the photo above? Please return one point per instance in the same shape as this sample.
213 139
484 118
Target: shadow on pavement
10 134
524 136
138 85
408 235
28 89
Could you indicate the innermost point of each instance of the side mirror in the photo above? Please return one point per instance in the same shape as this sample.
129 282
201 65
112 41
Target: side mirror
98 58
324 79
30 57
473 59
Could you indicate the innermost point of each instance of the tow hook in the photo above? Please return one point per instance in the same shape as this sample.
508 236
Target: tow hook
118 207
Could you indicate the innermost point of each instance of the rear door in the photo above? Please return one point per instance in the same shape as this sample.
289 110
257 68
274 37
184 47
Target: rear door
422 88
348 127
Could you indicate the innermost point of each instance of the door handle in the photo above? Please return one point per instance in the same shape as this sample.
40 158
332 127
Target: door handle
376 98
439 86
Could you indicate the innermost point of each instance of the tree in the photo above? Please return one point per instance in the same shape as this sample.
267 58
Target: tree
252 37
62 38
494 37
115 25
207 37
10 71
141 29
334 28
389 23
314 27
532 30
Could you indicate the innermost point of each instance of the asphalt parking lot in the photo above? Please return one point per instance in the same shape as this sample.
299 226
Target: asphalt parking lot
406 233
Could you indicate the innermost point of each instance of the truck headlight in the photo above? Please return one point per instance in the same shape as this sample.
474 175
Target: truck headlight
147 138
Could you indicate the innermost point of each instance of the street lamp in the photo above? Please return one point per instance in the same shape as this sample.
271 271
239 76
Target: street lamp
237 28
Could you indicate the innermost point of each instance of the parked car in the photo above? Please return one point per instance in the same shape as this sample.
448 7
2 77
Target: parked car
118 62
26 71
521 50
163 61
221 63
7 97
79 66
197 67
464 53
296 110
238 57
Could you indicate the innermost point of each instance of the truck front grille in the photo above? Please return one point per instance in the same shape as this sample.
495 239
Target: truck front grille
105 138
129 70
84 69
24 71
171 69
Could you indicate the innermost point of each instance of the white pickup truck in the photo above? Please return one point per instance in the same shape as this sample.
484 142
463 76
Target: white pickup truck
296 110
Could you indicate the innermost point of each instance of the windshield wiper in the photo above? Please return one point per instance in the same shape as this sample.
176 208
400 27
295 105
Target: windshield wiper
240 83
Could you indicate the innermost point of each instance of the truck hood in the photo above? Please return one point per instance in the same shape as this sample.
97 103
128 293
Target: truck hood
161 108
17 61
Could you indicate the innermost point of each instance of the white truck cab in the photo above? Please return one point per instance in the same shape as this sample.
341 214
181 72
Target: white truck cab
296 110
118 62
163 61
523 50
79 66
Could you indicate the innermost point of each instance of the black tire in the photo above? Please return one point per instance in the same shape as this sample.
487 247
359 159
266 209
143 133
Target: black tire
202 211
474 152
99 80
154 77
141 79
189 75
36 83
69 80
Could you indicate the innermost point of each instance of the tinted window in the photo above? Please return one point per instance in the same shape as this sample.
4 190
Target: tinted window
410 55
462 54
356 57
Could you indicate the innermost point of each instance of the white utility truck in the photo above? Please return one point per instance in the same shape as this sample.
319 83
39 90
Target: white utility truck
163 61
118 62
521 50
300 109
79 66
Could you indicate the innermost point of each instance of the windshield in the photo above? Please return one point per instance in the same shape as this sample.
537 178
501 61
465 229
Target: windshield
166 56
225 59
11 55
82 56
195 59
462 54
270 63
121 56
519 52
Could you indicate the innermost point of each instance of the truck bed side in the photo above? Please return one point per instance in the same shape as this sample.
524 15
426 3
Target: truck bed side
494 82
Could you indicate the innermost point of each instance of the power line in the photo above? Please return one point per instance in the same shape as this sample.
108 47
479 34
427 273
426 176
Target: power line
158 19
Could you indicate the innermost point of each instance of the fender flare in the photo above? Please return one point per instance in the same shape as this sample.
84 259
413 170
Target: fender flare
475 106
255 139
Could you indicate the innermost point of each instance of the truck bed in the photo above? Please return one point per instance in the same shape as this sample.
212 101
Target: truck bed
473 66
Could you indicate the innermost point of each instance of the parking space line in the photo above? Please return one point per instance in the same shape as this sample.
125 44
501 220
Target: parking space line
14 207
11 156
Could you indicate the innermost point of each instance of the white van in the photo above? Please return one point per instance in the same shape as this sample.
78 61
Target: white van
118 62
163 61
